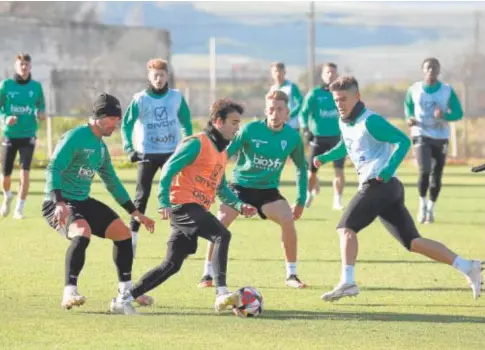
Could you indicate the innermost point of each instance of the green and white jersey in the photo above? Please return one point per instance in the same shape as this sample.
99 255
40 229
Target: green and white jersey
78 156
262 154
375 147
23 101
319 113
421 101
295 100
156 121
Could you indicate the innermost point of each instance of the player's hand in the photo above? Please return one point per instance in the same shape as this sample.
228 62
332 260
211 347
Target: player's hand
41 116
248 210
135 157
61 213
11 120
297 211
308 135
316 162
145 221
438 113
165 213
411 122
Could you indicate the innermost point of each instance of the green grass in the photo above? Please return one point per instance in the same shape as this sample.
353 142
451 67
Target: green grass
406 301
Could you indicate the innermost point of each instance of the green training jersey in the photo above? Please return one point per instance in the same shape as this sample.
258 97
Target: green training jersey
78 156
319 113
23 101
262 154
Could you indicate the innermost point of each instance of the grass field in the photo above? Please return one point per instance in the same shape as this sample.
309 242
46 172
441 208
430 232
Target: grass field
406 301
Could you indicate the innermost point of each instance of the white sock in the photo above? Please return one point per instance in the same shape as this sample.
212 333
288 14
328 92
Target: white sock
431 206
124 286
290 269
222 290
422 203
134 237
20 204
7 194
348 274
462 265
208 269
337 198
69 289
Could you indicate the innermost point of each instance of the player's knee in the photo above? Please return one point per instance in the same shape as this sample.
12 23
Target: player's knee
79 228
118 231
346 233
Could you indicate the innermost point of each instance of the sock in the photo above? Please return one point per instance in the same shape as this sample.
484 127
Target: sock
337 198
69 289
20 204
348 274
221 290
431 206
134 241
7 194
208 269
462 265
75 257
290 269
123 258
422 203
124 286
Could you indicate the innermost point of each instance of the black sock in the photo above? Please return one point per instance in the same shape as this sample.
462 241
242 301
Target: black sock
423 184
123 258
219 258
75 257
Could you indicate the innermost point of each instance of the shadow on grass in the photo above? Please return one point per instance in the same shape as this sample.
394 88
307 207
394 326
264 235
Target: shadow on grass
281 315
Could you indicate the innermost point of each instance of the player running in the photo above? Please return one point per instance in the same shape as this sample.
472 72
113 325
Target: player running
295 99
188 186
377 148
21 104
156 115
262 149
68 208
319 121
429 107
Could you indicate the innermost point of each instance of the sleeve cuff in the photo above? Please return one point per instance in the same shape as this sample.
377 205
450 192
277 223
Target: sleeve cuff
129 206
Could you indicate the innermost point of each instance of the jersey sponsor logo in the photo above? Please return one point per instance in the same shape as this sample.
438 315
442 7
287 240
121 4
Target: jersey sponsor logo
86 172
258 142
12 94
170 138
267 163
202 198
205 182
328 113
216 171
161 118
89 152
14 109
284 143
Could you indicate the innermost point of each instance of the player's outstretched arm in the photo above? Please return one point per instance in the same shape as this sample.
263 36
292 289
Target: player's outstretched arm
384 131
185 154
185 118
298 157
455 112
336 153
113 183
127 126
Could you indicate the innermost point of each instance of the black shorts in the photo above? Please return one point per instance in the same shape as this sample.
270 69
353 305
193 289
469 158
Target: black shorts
383 200
430 153
24 146
322 144
257 197
98 215
190 221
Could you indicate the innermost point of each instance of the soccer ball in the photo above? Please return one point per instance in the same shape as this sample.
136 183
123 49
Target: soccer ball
250 303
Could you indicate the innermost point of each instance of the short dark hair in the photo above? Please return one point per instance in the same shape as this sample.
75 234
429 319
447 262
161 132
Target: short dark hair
277 95
330 65
431 60
344 83
22 56
221 109
278 65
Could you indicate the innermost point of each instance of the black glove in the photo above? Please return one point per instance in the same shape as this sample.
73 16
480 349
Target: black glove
135 157
308 135
479 168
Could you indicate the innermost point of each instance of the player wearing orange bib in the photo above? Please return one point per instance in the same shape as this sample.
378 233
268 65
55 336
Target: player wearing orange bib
190 181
